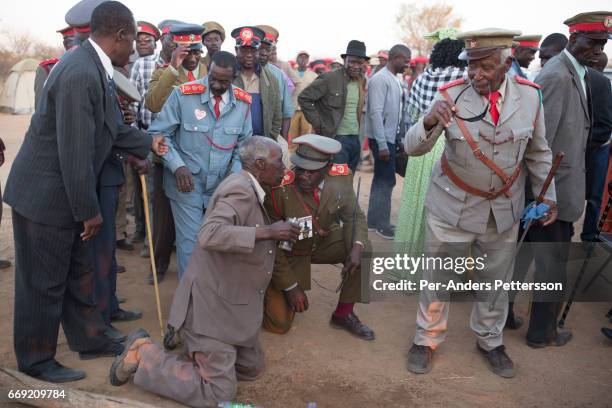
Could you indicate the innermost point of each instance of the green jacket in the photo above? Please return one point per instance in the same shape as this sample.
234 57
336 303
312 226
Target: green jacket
323 101
337 202
271 101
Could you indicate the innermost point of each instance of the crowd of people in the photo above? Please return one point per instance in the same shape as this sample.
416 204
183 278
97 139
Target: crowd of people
209 136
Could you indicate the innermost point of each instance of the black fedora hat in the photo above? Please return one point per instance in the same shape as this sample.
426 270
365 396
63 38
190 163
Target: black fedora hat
356 49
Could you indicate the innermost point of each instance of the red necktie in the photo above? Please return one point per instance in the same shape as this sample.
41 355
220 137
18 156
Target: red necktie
315 195
493 97
190 76
217 110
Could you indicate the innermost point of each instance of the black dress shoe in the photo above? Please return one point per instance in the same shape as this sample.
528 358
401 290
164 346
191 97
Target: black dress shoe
125 315
111 349
352 324
57 373
4 264
419 359
120 269
607 332
560 339
114 334
498 361
124 245
513 322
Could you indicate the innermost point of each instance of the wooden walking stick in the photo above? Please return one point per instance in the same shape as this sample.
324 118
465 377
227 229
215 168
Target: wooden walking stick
145 197
549 178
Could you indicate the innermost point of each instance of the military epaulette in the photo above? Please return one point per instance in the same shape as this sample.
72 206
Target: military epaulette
288 178
243 95
451 84
192 89
48 62
339 170
524 81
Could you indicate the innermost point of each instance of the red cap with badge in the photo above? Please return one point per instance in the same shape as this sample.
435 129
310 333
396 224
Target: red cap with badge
144 27
248 36
596 24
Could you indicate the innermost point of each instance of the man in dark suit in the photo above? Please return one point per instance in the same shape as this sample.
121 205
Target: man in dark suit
598 148
567 102
52 192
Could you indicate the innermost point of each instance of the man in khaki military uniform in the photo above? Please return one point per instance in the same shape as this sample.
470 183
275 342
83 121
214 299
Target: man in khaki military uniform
317 193
212 38
186 65
495 139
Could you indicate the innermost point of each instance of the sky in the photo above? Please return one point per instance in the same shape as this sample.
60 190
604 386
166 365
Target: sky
322 27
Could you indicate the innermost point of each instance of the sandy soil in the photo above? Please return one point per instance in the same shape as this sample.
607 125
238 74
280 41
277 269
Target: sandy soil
314 363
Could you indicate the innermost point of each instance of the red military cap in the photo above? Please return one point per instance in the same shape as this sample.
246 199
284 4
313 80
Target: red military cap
595 24
248 36
270 34
67 32
145 27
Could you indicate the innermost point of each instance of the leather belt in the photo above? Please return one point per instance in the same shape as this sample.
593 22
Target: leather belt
490 195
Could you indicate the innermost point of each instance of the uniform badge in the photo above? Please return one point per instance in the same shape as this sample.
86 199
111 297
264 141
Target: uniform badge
608 22
473 44
246 34
199 114
288 178
339 170
193 88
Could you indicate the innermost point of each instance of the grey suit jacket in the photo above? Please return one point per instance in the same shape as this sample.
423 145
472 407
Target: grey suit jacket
518 140
382 108
568 128
53 179
228 272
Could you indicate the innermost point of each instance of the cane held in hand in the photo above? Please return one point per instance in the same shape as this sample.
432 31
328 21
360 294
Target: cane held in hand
529 215
145 197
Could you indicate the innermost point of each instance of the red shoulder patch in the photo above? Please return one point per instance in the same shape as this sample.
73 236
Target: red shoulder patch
49 61
192 89
524 81
288 178
243 95
451 84
339 170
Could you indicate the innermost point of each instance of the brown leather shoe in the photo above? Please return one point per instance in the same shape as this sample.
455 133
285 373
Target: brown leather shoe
353 325
498 361
419 359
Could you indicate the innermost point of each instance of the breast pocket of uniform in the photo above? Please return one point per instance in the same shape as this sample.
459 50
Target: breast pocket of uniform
457 148
522 137
194 136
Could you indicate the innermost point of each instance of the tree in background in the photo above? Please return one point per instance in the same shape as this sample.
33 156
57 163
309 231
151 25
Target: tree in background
416 21
19 45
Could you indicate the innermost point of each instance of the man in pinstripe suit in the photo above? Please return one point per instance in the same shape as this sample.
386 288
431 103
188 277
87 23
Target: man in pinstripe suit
52 192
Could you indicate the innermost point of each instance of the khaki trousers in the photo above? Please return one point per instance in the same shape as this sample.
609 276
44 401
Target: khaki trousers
278 314
445 240
299 126
209 375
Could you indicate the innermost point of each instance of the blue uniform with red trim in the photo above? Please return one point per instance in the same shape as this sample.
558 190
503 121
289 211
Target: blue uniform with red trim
206 145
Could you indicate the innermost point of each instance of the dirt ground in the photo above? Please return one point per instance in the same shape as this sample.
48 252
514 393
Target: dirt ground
314 363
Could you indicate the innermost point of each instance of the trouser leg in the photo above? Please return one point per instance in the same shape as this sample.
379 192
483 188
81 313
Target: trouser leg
550 263
497 251
596 172
187 221
442 240
163 221
379 208
278 314
350 153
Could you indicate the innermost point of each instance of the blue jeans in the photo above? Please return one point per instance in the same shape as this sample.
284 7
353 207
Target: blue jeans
596 171
379 208
350 153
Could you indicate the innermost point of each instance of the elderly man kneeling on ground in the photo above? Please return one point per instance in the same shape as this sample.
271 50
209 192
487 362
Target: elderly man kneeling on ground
218 307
